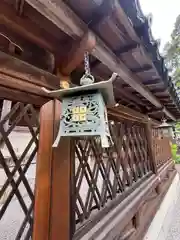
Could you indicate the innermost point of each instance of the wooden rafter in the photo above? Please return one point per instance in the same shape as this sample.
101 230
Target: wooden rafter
25 28
76 54
14 67
66 20
19 80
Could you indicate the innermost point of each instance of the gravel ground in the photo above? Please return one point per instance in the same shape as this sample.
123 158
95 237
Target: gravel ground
14 216
174 232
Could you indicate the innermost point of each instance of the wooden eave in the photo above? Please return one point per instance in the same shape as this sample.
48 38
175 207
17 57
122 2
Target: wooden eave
45 35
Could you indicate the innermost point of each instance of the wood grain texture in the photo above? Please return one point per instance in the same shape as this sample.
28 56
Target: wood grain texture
60 185
52 195
43 174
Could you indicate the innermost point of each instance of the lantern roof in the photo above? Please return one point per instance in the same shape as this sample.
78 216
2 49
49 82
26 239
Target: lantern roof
164 124
105 87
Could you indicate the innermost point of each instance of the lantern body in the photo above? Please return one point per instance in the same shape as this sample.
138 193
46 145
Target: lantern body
84 110
166 132
85 115
167 129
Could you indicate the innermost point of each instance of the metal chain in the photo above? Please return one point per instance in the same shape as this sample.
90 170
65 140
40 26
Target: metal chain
86 64
87 78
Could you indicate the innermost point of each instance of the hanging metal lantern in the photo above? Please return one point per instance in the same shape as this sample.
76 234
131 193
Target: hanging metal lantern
167 129
84 110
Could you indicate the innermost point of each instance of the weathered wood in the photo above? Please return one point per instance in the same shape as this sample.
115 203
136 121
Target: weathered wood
43 174
114 221
152 208
161 148
129 95
76 54
52 195
11 163
66 20
61 190
14 44
6 108
16 68
20 96
21 85
150 147
127 113
121 17
25 27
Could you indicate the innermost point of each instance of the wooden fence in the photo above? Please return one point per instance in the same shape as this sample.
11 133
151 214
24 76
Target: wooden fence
16 190
161 146
102 179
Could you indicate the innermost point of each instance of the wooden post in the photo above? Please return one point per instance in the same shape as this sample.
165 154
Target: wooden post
150 147
52 191
6 108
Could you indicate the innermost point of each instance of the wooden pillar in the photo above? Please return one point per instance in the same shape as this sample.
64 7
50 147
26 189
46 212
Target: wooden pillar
52 190
150 147
6 108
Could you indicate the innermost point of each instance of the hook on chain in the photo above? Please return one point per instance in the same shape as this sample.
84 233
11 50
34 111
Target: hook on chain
87 78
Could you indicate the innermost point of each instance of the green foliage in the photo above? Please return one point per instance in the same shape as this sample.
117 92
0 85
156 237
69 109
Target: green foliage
174 150
177 126
177 161
172 59
175 156
172 53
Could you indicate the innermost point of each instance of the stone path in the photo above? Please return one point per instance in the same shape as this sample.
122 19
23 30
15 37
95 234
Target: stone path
174 232
14 216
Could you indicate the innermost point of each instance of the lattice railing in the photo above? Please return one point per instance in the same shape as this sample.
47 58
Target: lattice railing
161 146
100 175
103 174
17 172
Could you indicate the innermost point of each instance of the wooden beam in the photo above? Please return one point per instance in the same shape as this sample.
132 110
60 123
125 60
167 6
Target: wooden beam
151 154
25 50
126 48
64 18
19 96
121 17
128 95
18 69
155 111
125 94
141 69
127 113
25 28
76 54
160 90
21 85
154 82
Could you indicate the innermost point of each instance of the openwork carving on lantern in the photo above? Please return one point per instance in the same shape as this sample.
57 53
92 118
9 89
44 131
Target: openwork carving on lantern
84 114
